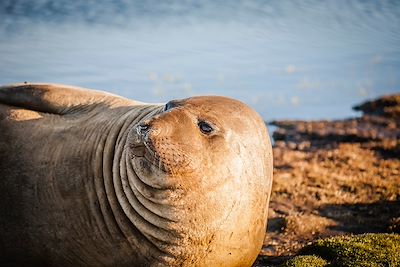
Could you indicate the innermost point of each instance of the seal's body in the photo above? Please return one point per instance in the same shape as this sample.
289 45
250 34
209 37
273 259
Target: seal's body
93 179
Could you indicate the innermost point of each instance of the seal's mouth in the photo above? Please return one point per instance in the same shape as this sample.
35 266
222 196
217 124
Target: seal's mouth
143 149
138 150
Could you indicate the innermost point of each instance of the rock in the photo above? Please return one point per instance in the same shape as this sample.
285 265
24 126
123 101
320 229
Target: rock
359 250
378 128
386 106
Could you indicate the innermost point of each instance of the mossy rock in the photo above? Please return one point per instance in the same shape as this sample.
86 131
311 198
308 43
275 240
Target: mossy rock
309 261
370 250
360 250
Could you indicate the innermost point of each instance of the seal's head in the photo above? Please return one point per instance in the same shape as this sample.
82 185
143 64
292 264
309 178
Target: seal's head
213 155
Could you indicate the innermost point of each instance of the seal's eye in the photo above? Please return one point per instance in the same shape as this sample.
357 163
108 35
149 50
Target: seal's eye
205 128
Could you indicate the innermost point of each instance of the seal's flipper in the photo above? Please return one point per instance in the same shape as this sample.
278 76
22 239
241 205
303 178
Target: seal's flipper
55 98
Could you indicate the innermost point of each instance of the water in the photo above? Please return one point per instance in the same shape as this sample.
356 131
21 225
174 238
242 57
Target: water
287 59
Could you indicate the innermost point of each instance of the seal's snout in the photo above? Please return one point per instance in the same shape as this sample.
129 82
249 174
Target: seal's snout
143 129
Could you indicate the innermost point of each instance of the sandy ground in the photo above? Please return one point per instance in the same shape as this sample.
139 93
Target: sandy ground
334 178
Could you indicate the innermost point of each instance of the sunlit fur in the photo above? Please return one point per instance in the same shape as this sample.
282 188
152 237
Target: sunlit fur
84 185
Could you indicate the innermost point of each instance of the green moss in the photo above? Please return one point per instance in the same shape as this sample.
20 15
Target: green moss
361 250
309 261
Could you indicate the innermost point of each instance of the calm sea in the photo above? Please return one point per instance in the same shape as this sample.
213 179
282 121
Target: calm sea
288 59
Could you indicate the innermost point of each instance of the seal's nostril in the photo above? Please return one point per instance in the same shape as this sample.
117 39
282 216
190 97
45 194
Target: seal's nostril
143 128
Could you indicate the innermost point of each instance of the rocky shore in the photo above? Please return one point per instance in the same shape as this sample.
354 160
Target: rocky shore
332 178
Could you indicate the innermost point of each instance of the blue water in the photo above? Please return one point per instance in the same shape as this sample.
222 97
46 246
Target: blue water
287 59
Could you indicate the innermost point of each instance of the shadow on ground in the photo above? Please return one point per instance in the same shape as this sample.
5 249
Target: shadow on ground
363 218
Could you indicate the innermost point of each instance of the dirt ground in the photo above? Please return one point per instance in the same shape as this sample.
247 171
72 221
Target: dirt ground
333 178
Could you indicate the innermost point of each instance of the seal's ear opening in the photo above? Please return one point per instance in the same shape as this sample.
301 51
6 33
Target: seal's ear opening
171 104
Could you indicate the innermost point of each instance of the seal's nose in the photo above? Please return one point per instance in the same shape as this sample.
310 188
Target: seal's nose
142 129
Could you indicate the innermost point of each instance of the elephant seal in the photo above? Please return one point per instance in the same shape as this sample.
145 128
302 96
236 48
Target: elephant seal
93 179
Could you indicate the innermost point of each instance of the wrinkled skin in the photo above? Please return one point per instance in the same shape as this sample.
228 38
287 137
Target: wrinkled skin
93 179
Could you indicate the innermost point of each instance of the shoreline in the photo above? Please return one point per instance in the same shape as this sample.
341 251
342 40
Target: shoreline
334 177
